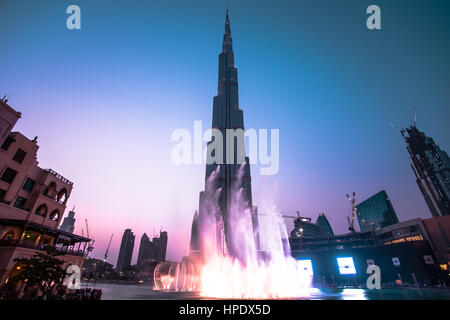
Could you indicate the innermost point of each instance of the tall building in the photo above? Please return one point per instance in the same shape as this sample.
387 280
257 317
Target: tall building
226 115
68 224
32 202
160 247
152 250
323 223
144 248
376 212
126 251
431 165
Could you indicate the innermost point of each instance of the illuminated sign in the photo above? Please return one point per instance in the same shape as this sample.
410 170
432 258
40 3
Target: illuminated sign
396 261
428 259
370 262
305 267
346 265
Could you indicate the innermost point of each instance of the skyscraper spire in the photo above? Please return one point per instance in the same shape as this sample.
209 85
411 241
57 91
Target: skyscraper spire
227 45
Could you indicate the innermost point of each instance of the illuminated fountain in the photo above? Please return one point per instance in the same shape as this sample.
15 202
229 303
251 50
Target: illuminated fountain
267 273
172 276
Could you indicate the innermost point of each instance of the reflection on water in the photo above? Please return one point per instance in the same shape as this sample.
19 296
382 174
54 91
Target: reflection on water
142 292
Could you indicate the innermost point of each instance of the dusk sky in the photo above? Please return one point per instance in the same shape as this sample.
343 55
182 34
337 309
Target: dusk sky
105 99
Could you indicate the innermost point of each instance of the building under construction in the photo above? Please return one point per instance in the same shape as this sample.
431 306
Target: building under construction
431 165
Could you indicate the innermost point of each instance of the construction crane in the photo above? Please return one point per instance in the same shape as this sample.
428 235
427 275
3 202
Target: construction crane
351 223
107 249
298 218
91 243
402 130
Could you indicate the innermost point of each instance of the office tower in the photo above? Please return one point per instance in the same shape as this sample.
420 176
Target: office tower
160 246
431 165
126 251
144 249
226 115
155 249
376 212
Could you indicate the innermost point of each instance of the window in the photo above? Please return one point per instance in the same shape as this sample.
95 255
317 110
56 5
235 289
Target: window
54 215
41 210
8 175
61 197
28 185
7 143
20 202
50 190
2 194
19 156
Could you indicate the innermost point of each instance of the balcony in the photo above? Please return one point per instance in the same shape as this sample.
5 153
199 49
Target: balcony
37 246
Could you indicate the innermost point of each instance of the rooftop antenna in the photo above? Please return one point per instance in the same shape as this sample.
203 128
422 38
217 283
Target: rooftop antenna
414 116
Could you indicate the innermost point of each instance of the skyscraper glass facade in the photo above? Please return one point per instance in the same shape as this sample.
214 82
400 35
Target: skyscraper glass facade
376 212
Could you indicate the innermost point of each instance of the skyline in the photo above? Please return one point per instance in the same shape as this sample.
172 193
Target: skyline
102 139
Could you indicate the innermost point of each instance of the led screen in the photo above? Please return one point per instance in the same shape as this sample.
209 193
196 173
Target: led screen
305 266
346 265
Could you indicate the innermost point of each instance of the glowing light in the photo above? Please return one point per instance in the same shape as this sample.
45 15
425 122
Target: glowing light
306 266
223 277
346 265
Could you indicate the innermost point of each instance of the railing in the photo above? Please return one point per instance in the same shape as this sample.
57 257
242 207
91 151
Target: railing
37 246
58 176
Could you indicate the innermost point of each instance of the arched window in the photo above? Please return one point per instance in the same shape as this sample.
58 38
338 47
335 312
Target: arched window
41 210
54 215
8 236
50 190
62 196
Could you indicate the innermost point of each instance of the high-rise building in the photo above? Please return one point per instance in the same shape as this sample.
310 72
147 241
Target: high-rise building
68 223
160 246
323 223
376 212
144 248
431 165
226 115
152 250
126 251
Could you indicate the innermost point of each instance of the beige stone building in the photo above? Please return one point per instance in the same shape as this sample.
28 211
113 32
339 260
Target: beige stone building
32 201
